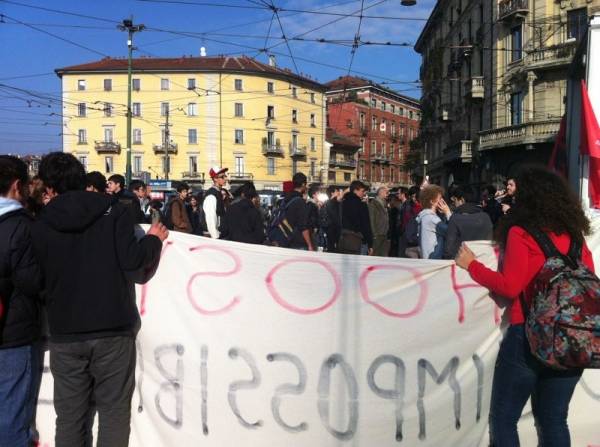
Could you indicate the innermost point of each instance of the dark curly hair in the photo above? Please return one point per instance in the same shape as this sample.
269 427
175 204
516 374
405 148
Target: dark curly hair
544 201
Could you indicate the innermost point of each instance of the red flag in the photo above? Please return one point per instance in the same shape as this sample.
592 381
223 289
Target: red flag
558 159
590 145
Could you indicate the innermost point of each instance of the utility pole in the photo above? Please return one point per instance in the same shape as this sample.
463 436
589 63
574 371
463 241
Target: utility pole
167 145
131 29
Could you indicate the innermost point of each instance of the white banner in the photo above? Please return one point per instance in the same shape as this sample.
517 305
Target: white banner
246 345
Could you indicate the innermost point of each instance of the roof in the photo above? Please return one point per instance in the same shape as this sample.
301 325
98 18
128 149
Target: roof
218 64
353 82
335 138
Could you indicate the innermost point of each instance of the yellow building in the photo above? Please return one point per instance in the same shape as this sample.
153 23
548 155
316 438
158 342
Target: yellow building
262 122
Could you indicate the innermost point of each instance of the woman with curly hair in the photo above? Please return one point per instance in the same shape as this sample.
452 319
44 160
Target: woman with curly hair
518 375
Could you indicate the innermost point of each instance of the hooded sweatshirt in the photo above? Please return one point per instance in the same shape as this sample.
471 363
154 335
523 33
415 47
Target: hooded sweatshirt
468 223
432 231
19 278
89 256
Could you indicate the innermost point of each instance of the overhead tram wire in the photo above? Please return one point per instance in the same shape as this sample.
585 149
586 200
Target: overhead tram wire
287 43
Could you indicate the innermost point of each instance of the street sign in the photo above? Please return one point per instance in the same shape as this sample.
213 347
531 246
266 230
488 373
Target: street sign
160 184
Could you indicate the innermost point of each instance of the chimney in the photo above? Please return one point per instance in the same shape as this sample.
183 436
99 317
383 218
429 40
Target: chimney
272 60
202 52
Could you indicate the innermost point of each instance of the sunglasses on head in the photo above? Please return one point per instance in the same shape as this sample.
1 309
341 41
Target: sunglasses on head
222 176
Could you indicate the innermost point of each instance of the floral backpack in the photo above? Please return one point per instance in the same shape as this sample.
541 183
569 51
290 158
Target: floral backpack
563 320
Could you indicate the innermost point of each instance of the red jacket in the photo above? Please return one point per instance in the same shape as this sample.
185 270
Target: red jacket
522 261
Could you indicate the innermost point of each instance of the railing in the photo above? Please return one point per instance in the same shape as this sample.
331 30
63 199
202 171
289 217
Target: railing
162 149
107 147
560 54
507 8
240 176
297 151
275 149
475 87
526 133
343 162
191 174
380 158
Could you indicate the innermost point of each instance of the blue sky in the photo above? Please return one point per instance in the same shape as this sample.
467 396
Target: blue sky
31 124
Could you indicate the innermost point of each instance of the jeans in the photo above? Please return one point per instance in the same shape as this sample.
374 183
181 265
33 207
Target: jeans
93 375
20 374
518 376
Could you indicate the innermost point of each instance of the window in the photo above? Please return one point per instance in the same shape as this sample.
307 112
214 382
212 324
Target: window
313 168
516 111
400 111
108 109
362 121
239 136
164 84
294 141
109 134
270 87
383 106
81 84
137 136
577 22
136 84
516 37
393 129
239 109
361 149
239 165
383 149
361 171
270 112
81 109
191 83
82 136
270 166
294 116
312 98
237 83
192 109
193 164
136 109
107 85
271 139
331 176
84 161
347 176
137 164
108 165
373 147
392 108
383 126
294 92
313 144
373 123
192 136
373 102
411 114
313 122
164 108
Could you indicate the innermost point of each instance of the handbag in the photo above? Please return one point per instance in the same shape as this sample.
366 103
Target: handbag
350 241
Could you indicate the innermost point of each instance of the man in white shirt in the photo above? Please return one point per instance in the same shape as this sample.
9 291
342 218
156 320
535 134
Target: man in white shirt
214 205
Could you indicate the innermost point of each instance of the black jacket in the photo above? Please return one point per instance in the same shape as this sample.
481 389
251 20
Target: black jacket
297 216
355 217
90 258
468 223
132 202
19 282
243 223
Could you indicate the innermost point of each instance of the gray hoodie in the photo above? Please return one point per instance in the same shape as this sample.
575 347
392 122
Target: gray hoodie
432 232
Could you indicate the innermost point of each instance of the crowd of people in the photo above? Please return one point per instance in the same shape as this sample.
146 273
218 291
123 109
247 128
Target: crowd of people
68 249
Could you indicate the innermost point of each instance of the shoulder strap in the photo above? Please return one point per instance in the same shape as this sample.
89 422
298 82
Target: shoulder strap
543 241
575 250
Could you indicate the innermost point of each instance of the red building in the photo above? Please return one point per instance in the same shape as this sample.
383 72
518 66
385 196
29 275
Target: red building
380 121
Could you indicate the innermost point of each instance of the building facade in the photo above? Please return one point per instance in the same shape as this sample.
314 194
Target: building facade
379 121
188 114
494 84
342 159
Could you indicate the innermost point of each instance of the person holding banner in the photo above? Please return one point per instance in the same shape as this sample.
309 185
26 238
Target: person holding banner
518 375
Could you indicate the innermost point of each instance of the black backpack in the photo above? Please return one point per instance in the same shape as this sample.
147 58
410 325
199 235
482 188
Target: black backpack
280 232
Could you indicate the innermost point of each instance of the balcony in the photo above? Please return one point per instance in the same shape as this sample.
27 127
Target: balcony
162 148
462 151
191 174
526 133
512 9
380 158
445 113
474 88
107 147
551 57
343 162
272 149
297 151
241 176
